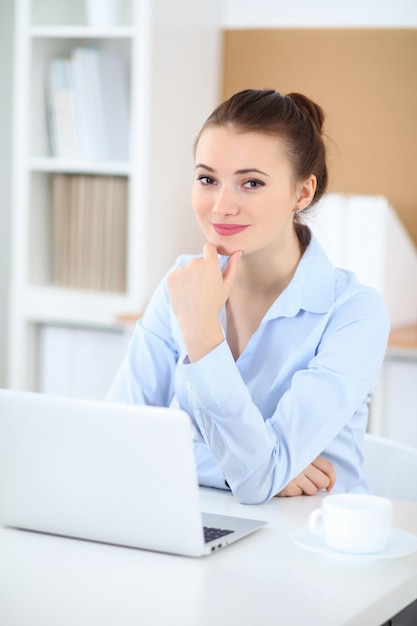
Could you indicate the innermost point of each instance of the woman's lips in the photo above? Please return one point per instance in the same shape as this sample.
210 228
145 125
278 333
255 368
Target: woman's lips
229 229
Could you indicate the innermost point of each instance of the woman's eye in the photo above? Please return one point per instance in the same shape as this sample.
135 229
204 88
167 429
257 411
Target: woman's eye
253 183
205 180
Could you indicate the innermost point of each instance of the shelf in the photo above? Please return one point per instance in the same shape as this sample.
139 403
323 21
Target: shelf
81 32
75 307
129 319
67 166
61 211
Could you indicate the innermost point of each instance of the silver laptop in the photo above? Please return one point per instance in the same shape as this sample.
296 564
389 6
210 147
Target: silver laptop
106 472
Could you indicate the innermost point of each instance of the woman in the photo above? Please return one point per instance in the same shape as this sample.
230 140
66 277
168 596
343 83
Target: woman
271 350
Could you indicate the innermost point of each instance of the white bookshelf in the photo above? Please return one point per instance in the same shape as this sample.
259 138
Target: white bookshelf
172 52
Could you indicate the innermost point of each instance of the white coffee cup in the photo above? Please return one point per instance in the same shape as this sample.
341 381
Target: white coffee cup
357 523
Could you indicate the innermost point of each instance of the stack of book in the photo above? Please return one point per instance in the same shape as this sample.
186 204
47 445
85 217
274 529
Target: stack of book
87 103
89 232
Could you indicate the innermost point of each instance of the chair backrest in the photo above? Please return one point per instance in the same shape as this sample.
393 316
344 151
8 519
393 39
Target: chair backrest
390 468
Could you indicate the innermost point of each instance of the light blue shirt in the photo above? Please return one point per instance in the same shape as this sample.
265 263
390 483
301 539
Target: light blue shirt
300 389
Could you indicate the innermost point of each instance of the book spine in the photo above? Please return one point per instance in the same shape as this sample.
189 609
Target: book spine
89 232
88 105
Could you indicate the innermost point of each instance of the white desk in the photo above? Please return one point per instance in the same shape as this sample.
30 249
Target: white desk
262 580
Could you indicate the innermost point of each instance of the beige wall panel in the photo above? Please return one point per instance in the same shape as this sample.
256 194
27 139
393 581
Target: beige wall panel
366 81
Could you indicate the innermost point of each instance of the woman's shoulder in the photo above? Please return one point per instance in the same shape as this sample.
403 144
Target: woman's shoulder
362 301
349 298
347 284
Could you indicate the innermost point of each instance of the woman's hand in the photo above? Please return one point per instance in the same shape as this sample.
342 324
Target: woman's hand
318 475
198 291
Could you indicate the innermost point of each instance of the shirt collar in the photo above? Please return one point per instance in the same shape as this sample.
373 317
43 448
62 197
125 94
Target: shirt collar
312 288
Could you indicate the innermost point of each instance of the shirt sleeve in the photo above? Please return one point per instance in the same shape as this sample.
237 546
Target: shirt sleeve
259 457
148 371
146 375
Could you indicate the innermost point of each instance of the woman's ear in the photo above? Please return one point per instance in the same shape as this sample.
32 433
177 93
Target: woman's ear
306 191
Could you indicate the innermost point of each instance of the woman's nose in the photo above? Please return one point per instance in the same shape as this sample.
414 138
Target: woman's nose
226 202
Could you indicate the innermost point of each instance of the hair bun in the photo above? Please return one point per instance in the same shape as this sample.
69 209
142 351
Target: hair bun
309 108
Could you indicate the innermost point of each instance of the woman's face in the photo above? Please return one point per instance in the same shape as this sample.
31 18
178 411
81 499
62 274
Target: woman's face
244 194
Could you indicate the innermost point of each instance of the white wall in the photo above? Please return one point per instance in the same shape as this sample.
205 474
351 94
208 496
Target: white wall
319 13
6 70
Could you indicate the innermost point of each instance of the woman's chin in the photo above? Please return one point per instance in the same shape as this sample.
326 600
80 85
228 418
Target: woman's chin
224 250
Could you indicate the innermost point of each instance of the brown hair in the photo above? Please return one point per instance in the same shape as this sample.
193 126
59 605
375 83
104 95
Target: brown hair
294 118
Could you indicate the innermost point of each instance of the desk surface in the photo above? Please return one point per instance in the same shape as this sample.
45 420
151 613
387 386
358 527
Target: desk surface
405 337
264 579
402 343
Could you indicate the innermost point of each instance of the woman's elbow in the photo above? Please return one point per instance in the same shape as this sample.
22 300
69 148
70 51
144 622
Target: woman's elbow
247 494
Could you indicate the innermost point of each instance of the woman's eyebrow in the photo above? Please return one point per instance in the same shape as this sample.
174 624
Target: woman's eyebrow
205 167
247 170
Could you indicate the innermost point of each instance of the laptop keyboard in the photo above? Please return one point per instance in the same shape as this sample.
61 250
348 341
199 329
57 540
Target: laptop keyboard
215 533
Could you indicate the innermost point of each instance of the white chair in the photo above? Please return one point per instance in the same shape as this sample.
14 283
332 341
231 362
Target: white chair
390 468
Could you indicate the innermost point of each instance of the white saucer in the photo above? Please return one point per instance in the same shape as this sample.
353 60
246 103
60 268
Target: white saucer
399 543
